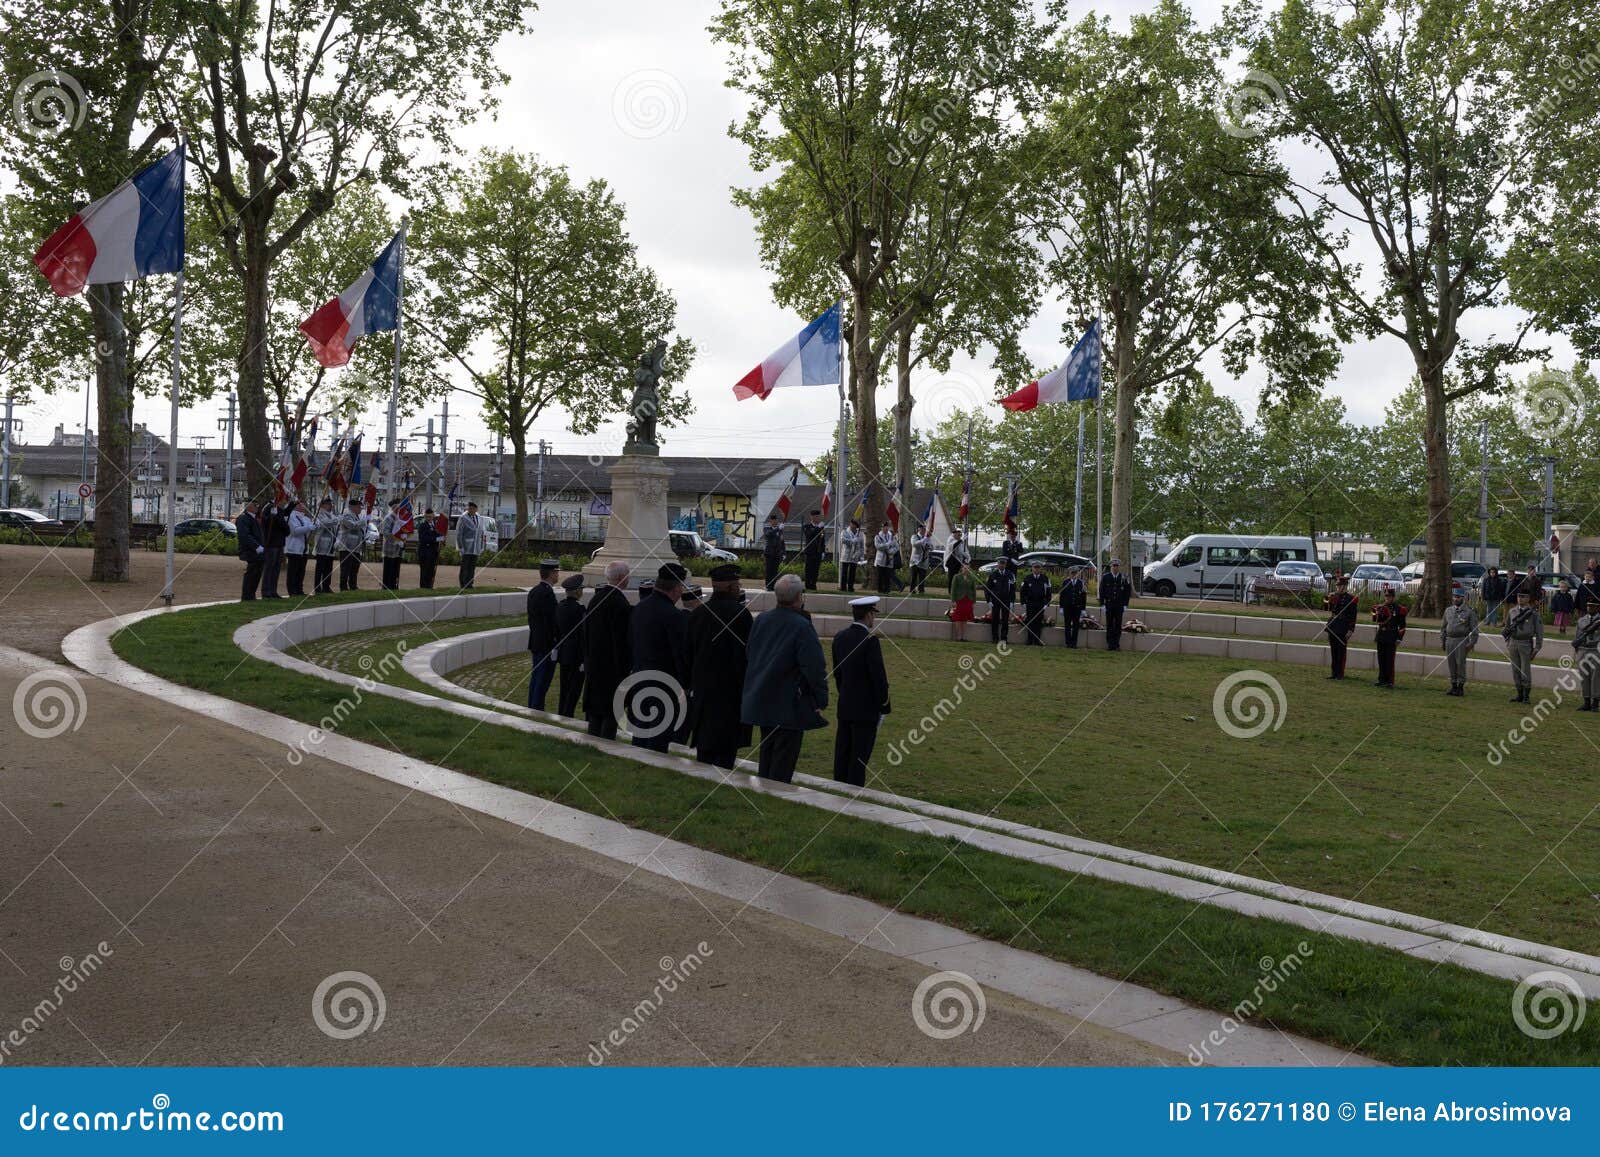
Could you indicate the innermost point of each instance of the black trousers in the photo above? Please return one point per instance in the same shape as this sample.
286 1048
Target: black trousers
469 570
322 577
852 749
1114 627
1386 650
428 567
999 622
540 677
271 564
571 692
391 573
885 578
780 751
1337 650
813 567
252 579
919 580
297 576
847 576
603 724
349 569
1070 623
772 569
1034 621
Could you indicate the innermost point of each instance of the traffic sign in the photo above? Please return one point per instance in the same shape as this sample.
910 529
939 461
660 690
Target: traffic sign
84 490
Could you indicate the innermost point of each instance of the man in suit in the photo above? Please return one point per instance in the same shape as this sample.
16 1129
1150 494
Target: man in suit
719 635
607 651
659 637
252 550
1340 626
569 645
543 632
785 680
1035 594
1458 633
274 536
1002 588
394 548
427 550
352 539
1116 592
772 548
815 537
469 542
863 685
1074 600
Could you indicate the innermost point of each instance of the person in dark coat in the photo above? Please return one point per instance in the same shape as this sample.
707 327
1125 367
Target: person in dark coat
658 698
252 550
772 548
1001 586
719 635
607 651
1012 548
815 537
863 685
569 645
785 680
1035 596
274 535
427 549
1074 600
542 632
1116 592
1493 589
1340 626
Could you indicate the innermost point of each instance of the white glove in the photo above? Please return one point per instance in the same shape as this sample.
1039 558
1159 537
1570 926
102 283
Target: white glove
261 550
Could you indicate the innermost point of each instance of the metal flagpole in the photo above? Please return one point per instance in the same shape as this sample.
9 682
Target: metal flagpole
839 486
172 445
1099 452
966 481
1077 493
389 459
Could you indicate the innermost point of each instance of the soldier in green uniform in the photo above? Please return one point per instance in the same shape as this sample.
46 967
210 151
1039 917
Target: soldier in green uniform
1586 652
1524 635
1458 634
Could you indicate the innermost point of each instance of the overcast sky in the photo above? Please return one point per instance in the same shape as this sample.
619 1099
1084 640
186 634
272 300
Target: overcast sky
631 91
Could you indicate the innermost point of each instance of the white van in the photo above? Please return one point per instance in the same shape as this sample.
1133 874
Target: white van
1222 564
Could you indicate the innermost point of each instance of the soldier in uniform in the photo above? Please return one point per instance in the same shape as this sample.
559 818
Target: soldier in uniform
719 634
1391 619
1524 635
1586 654
352 538
427 550
1341 624
1012 547
1116 592
852 553
814 536
607 653
393 548
1074 600
772 548
1458 634
1035 598
659 635
569 645
863 686
1001 586
469 542
543 632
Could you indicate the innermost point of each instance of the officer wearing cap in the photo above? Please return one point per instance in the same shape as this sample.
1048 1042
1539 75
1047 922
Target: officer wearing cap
1001 586
1035 595
772 548
719 633
813 536
570 613
863 686
1458 634
543 633
469 542
1074 600
1341 624
1524 636
659 634
1116 592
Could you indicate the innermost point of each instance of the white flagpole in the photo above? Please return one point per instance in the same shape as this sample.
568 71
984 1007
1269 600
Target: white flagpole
389 458
172 443
1099 453
838 465
1077 493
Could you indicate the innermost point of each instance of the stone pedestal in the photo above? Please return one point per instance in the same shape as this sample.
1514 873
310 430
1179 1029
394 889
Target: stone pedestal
636 532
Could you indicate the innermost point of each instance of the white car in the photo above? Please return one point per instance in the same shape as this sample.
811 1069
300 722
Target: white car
1377 578
1291 577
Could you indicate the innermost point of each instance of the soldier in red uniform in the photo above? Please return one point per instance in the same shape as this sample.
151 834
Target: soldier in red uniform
1391 619
1341 625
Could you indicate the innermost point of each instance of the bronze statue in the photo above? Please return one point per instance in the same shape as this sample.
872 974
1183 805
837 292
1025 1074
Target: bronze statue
645 403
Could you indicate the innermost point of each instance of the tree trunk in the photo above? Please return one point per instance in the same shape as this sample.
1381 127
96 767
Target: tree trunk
902 433
1122 454
254 433
519 485
865 387
113 504
1434 594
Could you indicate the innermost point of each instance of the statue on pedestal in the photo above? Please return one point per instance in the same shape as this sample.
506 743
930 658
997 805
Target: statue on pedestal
646 402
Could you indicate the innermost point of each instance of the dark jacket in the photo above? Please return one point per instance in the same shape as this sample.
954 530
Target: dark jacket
1115 590
249 535
1035 590
1001 586
1074 595
772 542
607 652
1011 548
1494 588
719 638
786 677
275 526
816 538
542 632
427 541
569 631
659 631
859 674
1342 609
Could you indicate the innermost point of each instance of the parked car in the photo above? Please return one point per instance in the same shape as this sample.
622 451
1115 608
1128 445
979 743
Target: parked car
1217 563
1056 562
1466 575
19 518
689 544
206 526
1376 577
1291 578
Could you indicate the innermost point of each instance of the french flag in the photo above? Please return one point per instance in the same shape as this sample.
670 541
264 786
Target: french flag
132 232
966 498
1012 508
370 305
928 515
1076 380
892 510
405 525
827 494
810 358
786 499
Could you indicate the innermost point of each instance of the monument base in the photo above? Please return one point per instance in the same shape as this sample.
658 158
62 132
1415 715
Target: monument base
636 532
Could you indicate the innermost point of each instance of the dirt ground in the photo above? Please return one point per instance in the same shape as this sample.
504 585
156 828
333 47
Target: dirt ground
227 887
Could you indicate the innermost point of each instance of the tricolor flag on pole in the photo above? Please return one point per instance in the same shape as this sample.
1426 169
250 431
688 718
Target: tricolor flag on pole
786 499
371 304
827 494
933 503
1012 510
891 510
132 232
405 526
813 357
1076 380
354 450
966 499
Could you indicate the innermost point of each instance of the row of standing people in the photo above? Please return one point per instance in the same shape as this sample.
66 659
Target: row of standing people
705 673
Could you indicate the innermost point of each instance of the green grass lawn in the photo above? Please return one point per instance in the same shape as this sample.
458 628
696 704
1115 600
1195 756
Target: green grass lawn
1387 1005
